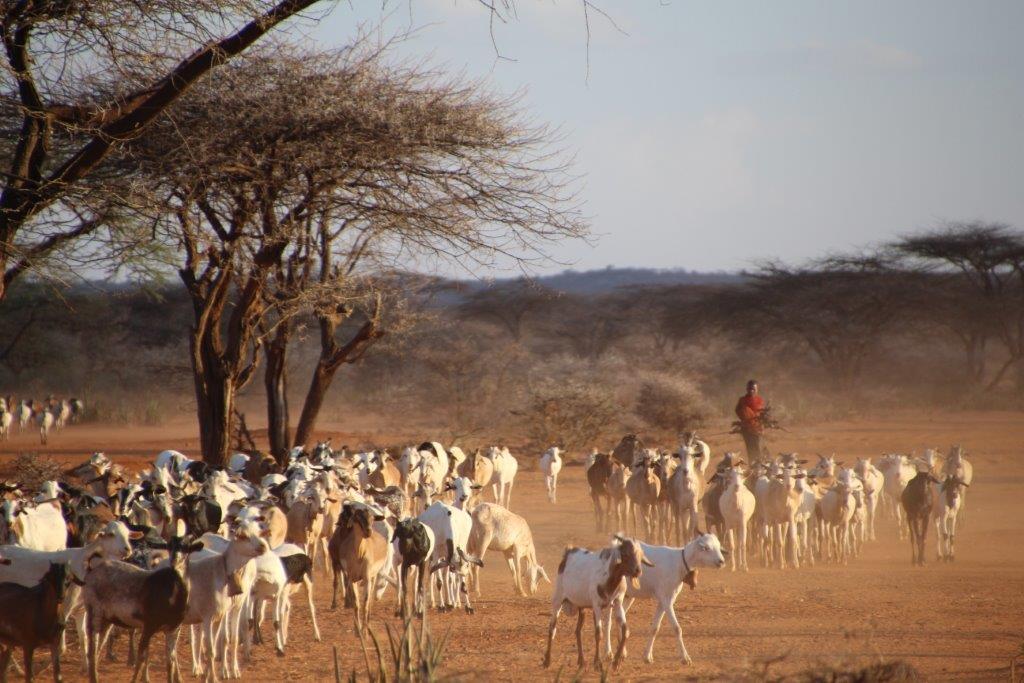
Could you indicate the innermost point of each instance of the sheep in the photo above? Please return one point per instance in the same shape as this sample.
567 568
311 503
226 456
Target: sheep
551 465
40 526
599 472
917 503
505 469
452 528
684 492
219 582
151 600
359 552
596 581
663 580
30 617
736 505
495 528
414 541
643 489
949 501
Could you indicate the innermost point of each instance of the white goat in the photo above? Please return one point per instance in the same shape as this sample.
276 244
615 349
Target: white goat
495 528
551 465
662 582
736 506
505 469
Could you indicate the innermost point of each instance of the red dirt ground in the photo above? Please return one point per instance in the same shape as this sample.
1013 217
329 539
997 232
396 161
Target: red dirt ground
962 621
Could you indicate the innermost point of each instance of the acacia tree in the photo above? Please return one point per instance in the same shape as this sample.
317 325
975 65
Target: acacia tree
324 167
83 77
838 308
984 264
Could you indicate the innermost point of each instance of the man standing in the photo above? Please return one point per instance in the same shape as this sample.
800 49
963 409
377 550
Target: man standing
749 409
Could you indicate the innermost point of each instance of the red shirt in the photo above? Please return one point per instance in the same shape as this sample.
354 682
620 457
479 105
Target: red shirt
749 409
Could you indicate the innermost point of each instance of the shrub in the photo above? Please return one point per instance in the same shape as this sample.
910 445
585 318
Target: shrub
31 470
571 414
671 404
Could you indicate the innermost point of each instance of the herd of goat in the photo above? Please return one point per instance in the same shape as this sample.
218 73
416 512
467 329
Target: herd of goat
183 543
51 413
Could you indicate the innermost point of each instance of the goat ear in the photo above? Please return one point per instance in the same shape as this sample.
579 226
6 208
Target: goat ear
475 487
647 563
194 547
378 518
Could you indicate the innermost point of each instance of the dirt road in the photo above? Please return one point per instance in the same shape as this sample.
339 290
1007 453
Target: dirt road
962 621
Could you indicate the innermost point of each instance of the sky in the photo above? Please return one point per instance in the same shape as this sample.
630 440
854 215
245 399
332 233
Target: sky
713 135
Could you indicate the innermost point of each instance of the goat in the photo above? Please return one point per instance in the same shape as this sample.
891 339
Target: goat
463 490
6 419
874 482
24 413
476 468
643 489
45 421
596 581
505 469
598 475
661 582
415 544
359 552
278 573
958 466
736 505
495 528
219 582
916 500
684 492
154 601
551 465
949 502
452 528
31 618
39 527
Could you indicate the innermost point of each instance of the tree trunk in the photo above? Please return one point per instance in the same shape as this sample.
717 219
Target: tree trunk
332 357
275 380
323 375
215 401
